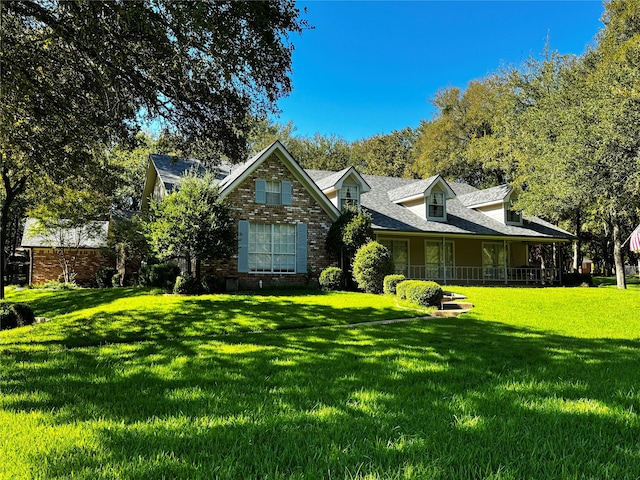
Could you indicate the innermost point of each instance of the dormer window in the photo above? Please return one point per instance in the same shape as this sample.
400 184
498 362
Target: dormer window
349 195
436 206
513 216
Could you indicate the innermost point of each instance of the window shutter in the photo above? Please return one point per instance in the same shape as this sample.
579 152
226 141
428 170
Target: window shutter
286 192
243 246
261 190
301 248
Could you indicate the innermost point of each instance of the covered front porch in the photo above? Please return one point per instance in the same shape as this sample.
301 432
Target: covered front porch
473 261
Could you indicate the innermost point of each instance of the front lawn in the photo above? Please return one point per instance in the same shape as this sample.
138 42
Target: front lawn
520 387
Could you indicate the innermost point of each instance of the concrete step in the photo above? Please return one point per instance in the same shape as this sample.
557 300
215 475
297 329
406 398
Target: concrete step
456 306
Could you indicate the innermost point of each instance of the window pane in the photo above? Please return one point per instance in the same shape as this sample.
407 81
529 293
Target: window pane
273 195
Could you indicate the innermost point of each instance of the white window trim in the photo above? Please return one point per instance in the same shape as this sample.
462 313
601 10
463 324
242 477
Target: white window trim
272 192
272 253
443 198
343 193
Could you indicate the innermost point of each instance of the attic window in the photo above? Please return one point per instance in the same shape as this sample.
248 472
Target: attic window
349 195
435 206
513 216
273 193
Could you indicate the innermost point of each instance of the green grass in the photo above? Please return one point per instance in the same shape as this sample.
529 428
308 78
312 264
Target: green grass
526 385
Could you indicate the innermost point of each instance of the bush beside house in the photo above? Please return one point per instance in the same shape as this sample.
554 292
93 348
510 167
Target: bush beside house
371 264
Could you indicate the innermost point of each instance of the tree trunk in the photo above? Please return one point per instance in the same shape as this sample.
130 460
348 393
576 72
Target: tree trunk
2 255
617 257
577 244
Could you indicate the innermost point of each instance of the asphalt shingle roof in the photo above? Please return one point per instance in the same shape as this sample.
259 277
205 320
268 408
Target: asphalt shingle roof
461 220
92 235
489 195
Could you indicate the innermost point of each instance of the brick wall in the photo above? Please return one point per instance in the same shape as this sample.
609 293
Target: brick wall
46 265
303 209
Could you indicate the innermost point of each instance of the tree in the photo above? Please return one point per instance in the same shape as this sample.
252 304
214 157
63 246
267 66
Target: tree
389 155
581 123
77 77
460 143
68 219
321 152
192 223
347 234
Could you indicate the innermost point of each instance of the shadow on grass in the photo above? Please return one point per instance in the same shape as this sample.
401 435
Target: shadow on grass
187 317
436 398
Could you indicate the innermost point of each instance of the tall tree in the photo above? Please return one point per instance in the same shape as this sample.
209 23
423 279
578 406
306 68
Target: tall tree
389 155
79 75
460 142
321 152
581 134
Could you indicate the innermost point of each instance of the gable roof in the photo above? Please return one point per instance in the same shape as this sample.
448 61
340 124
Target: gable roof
242 171
488 196
91 235
418 189
172 169
334 182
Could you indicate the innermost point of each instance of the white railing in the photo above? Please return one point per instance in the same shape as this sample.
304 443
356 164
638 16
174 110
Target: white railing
483 275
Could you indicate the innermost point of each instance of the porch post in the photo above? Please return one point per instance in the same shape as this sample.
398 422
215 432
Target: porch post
504 246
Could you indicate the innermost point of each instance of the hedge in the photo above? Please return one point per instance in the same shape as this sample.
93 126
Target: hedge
421 292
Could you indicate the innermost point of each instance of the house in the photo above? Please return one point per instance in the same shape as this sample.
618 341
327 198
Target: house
81 247
447 232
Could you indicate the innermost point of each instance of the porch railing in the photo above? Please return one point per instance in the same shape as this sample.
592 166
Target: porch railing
484 275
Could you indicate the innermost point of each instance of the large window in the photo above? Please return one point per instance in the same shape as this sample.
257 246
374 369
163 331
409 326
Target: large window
349 195
439 260
400 253
272 248
436 206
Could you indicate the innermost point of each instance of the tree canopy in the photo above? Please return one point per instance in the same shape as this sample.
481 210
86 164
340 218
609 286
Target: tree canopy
79 76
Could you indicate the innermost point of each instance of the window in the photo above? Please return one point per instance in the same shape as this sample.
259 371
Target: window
349 195
272 248
435 206
513 216
273 193
439 260
400 253
493 260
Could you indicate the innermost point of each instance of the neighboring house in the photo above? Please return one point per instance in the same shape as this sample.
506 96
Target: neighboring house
448 232
82 249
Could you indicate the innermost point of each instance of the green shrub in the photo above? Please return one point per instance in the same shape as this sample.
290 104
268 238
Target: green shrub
103 277
420 292
161 275
391 281
331 278
186 285
212 284
371 264
14 315
116 280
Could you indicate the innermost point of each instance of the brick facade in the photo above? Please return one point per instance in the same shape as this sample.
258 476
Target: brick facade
304 208
45 264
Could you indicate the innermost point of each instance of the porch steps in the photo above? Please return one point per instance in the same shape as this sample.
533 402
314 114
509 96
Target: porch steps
451 306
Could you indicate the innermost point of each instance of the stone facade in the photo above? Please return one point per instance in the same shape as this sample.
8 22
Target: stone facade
45 264
303 208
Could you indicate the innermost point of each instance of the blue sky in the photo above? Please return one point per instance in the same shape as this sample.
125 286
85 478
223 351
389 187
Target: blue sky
371 67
